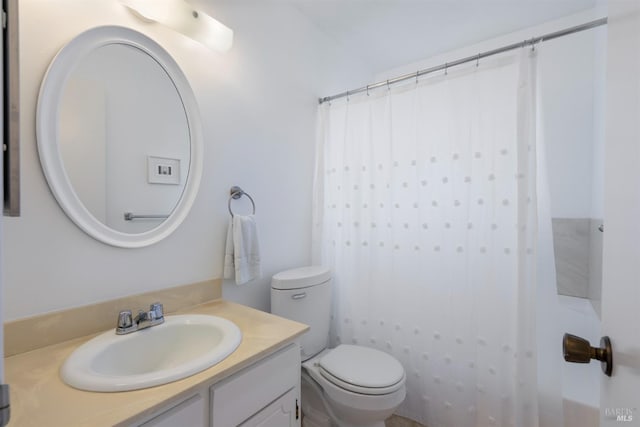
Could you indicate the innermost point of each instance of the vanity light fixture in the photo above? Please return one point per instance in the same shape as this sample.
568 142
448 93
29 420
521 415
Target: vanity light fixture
181 17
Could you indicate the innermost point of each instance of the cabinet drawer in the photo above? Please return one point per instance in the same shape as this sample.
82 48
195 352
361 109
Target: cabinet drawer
236 399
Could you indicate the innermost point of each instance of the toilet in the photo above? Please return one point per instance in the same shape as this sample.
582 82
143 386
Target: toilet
346 386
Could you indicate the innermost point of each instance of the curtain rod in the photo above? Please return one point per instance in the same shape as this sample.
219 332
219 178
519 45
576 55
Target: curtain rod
477 57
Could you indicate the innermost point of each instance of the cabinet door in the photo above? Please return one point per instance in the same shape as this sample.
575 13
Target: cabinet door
246 393
283 412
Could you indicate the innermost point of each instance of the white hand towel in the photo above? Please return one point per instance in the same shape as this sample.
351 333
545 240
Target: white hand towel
229 265
242 253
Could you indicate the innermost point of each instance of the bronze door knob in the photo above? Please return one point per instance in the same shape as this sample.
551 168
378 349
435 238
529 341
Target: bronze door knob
579 350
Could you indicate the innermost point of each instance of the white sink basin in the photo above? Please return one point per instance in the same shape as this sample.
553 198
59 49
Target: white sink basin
176 349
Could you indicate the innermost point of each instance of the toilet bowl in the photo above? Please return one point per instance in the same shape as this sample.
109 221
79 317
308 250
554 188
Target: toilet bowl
346 386
356 386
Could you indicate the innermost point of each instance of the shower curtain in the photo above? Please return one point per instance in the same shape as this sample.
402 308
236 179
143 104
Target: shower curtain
425 208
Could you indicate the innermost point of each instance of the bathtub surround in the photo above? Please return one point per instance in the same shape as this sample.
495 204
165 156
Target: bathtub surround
594 293
423 187
571 247
578 255
46 329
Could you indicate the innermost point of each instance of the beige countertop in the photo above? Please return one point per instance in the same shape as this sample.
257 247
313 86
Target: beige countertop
40 398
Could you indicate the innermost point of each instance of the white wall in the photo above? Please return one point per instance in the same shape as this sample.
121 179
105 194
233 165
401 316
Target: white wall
571 78
258 105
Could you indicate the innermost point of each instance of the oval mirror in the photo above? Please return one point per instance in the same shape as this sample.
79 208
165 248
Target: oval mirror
119 137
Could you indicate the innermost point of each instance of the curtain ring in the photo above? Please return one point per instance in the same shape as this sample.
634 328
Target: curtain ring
446 68
348 99
478 61
533 44
417 75
388 87
367 90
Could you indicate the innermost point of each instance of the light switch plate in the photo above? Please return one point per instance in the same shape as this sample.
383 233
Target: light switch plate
163 170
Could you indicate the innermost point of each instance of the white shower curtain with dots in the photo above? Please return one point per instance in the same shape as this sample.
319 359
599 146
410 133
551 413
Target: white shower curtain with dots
425 209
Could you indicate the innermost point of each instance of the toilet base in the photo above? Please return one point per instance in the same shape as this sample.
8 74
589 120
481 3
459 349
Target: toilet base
316 414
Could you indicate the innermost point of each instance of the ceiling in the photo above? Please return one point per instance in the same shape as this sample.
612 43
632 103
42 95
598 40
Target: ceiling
392 33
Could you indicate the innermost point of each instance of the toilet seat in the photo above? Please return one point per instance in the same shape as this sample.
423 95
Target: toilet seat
359 389
362 370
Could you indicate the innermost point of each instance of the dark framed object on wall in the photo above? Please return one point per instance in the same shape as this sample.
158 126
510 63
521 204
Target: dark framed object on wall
11 108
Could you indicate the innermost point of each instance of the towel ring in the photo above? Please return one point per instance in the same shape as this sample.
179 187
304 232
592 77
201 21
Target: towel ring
237 192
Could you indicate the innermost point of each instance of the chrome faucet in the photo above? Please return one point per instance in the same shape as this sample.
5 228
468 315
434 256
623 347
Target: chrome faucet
144 319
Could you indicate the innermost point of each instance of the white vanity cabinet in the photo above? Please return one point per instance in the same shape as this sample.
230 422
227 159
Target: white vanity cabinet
264 394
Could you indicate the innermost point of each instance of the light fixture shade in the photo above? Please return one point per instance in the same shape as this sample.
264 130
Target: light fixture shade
181 17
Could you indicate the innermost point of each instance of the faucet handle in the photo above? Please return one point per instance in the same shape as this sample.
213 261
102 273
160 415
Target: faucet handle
157 309
125 319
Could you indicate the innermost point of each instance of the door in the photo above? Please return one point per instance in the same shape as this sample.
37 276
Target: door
9 121
3 398
2 122
620 393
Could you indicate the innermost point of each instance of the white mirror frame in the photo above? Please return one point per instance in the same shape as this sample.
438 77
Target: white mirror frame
47 137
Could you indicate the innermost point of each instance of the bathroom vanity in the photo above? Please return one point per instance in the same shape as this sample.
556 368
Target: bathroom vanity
265 394
257 385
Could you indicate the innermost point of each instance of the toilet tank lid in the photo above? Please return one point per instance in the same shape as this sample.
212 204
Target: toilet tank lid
302 277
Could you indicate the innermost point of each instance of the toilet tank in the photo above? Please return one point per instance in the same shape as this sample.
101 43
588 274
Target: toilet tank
304 295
